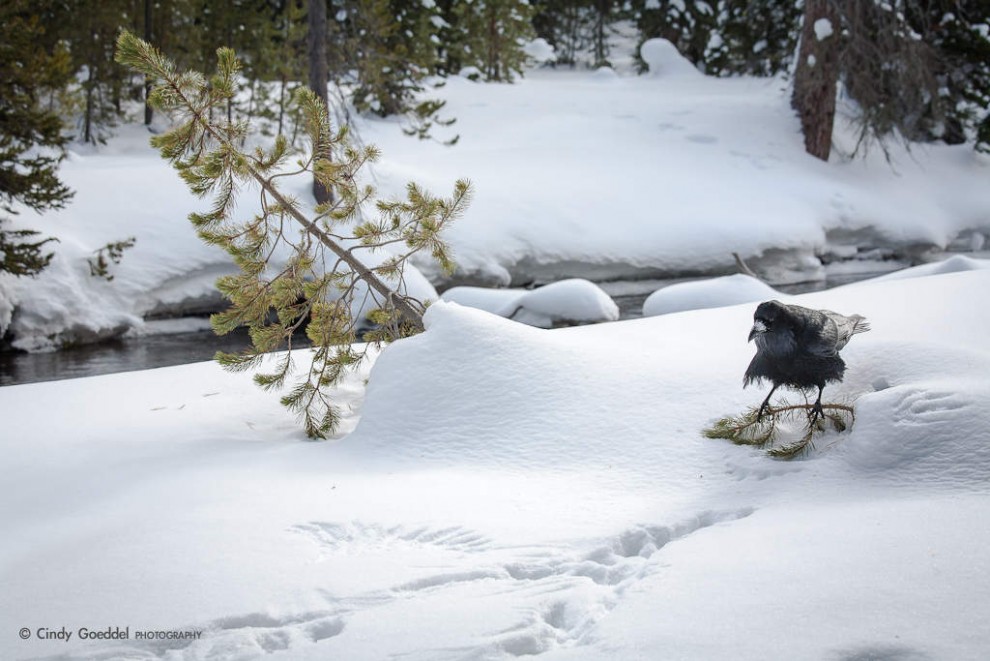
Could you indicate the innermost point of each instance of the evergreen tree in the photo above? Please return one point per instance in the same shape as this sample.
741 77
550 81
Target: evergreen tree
914 68
754 37
32 68
321 281
689 26
490 35
603 13
573 27
726 37
960 33
565 25
90 29
392 46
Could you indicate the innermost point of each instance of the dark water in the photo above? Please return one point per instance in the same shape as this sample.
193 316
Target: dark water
122 355
164 350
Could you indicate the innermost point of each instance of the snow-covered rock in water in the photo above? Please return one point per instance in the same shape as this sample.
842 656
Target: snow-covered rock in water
484 298
565 303
663 59
711 293
787 266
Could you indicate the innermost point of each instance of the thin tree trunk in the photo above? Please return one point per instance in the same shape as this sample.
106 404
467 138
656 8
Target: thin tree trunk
493 45
318 71
88 115
281 105
229 30
601 48
148 111
816 76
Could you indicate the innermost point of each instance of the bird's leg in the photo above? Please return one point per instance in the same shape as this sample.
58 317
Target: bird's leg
816 410
765 404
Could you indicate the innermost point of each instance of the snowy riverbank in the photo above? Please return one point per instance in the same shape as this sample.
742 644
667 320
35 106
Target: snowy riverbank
512 491
577 174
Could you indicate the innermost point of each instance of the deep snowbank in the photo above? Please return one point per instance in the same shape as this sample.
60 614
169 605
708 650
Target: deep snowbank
664 175
510 491
576 174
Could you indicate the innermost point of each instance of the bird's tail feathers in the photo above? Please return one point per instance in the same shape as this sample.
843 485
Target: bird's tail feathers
861 325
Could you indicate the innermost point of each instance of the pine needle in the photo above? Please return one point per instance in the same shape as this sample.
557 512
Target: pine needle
747 429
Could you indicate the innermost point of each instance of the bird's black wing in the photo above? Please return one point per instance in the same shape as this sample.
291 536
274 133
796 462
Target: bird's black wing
821 336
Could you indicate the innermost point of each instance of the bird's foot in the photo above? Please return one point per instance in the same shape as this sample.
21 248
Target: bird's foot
817 413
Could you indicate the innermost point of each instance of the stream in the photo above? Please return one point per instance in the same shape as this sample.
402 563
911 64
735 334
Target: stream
179 348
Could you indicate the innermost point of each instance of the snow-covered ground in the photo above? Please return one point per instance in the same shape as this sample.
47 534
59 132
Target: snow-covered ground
598 175
498 490
513 491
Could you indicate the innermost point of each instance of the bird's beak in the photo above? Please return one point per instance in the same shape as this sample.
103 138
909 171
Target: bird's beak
758 327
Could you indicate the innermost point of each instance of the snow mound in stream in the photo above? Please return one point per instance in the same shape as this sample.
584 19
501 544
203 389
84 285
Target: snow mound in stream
712 293
565 303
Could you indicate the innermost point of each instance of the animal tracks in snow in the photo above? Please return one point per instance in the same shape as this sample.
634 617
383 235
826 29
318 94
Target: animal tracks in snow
556 593
336 536
928 406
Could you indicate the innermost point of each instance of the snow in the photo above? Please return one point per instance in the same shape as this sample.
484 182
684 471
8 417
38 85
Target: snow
567 302
663 59
953 264
500 490
823 29
711 293
539 50
663 175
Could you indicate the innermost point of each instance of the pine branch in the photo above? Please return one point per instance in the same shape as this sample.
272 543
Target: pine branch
274 303
750 428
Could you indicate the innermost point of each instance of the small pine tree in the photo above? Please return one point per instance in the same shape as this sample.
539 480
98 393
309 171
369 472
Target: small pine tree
565 25
959 33
490 35
321 282
689 26
753 37
576 27
393 48
31 139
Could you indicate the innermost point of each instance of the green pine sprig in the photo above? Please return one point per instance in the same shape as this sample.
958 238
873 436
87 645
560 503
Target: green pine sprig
749 428
299 268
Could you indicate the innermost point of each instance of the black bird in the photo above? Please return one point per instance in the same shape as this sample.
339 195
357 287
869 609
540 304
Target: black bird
799 348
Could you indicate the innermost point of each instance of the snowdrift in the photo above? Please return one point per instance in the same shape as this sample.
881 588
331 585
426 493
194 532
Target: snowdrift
513 491
599 176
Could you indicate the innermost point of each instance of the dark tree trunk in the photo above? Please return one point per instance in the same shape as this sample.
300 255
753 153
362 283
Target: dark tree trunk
229 38
148 112
318 70
815 77
88 112
494 46
602 10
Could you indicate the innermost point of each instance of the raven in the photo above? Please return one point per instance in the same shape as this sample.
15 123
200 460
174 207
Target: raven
799 348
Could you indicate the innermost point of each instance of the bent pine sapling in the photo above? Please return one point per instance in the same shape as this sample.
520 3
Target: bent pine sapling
297 269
